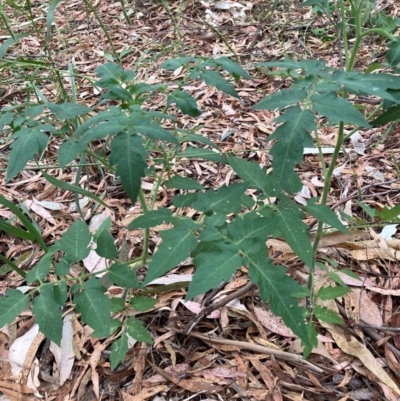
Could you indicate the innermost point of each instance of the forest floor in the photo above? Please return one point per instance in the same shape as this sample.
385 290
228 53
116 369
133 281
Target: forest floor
347 364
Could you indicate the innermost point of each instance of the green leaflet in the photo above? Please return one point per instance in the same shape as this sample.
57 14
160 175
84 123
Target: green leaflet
211 269
277 288
183 183
11 305
94 307
123 275
327 315
203 153
393 54
251 226
325 214
214 78
41 269
295 233
226 200
387 214
127 155
119 349
174 248
292 137
28 141
136 330
151 218
75 242
105 245
250 173
281 99
230 66
332 292
185 102
48 315
142 303
337 109
73 188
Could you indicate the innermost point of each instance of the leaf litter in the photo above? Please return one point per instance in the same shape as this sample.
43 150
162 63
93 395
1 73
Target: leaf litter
220 359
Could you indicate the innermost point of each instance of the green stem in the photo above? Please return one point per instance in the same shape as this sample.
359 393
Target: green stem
324 197
146 239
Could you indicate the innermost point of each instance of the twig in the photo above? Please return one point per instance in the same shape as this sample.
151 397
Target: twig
285 356
217 305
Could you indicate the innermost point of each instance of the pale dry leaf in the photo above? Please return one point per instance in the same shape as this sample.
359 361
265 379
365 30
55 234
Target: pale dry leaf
374 173
64 355
40 211
388 231
19 349
94 263
48 205
82 203
358 143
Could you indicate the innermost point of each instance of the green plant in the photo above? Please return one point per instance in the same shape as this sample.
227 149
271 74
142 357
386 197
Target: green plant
230 229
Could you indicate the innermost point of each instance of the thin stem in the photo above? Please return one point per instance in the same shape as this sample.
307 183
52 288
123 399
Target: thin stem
146 239
324 197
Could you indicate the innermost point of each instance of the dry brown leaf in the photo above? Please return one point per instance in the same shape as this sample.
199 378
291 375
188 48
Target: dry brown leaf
369 311
350 345
272 322
145 394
